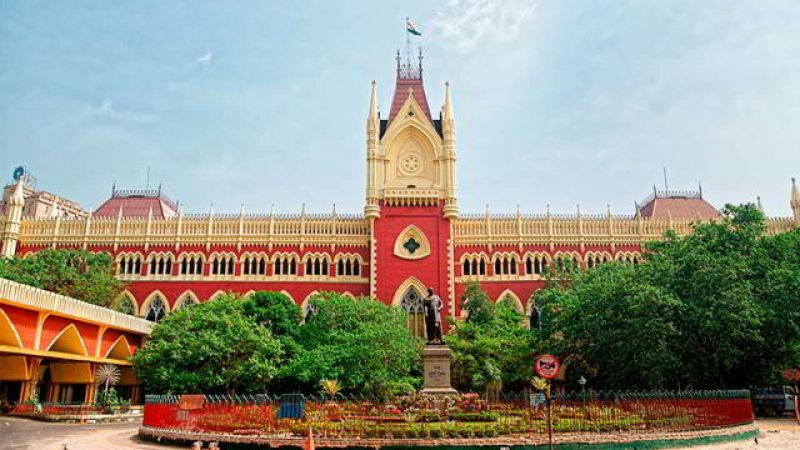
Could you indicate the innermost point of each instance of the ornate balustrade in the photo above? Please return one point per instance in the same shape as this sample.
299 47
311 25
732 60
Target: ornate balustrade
512 229
209 229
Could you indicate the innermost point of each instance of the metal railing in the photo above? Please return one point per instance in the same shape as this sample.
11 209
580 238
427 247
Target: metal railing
461 416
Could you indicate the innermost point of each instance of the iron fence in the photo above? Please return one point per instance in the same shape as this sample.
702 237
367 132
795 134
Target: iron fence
459 416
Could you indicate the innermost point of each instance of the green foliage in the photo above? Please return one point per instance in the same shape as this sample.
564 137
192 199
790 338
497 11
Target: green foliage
76 273
480 309
492 348
275 311
717 308
110 398
210 348
360 342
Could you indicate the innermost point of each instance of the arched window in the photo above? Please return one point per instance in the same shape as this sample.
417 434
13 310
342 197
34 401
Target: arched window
505 264
348 266
125 305
156 310
474 265
185 301
160 264
286 265
411 303
129 265
191 264
316 265
222 264
567 262
254 265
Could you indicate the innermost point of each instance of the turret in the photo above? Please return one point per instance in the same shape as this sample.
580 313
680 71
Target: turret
795 202
15 205
449 140
372 209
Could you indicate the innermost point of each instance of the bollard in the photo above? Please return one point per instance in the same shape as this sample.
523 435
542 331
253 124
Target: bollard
197 445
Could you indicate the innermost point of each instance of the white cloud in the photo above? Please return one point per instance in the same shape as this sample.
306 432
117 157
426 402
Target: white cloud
462 24
206 58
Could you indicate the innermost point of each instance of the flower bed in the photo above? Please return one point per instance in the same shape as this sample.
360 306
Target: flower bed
465 416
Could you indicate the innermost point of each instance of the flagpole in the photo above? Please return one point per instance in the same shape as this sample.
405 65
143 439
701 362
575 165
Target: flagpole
408 43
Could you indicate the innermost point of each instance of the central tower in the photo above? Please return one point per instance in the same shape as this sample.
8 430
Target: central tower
411 196
411 156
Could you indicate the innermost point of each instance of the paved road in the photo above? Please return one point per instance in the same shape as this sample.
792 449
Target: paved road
776 434
25 434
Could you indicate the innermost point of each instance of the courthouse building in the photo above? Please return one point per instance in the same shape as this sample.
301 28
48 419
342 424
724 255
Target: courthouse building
411 235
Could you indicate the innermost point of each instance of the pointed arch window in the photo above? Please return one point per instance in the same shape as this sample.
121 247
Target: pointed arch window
186 301
286 265
505 265
411 303
125 305
191 265
156 310
317 265
160 264
254 265
222 265
348 266
129 265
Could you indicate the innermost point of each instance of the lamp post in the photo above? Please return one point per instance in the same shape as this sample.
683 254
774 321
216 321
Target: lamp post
582 382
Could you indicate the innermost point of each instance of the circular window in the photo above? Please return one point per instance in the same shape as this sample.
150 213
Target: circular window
411 164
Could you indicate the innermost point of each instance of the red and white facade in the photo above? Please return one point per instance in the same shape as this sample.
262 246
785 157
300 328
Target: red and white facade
411 235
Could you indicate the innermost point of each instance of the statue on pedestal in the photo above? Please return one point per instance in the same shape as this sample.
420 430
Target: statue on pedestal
432 307
436 354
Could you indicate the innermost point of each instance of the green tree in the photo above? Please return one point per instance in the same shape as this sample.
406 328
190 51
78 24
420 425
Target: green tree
492 349
360 342
209 348
480 309
80 274
275 311
716 308
611 320
281 315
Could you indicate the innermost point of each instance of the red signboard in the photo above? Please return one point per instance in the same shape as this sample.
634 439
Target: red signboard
547 366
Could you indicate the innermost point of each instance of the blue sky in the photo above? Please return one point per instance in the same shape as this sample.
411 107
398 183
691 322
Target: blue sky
559 102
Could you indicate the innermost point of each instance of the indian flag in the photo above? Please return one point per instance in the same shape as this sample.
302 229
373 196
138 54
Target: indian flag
410 28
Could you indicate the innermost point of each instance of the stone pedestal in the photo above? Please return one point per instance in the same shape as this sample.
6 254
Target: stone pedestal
436 370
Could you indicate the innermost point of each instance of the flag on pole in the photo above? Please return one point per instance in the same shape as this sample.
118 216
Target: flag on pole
410 28
309 443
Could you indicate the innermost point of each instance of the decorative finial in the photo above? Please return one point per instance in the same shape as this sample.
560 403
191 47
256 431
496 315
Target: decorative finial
272 210
334 209
303 209
397 58
700 189
420 61
608 209
241 210
113 187
547 208
758 204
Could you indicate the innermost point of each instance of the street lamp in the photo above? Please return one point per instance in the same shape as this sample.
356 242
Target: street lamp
582 382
